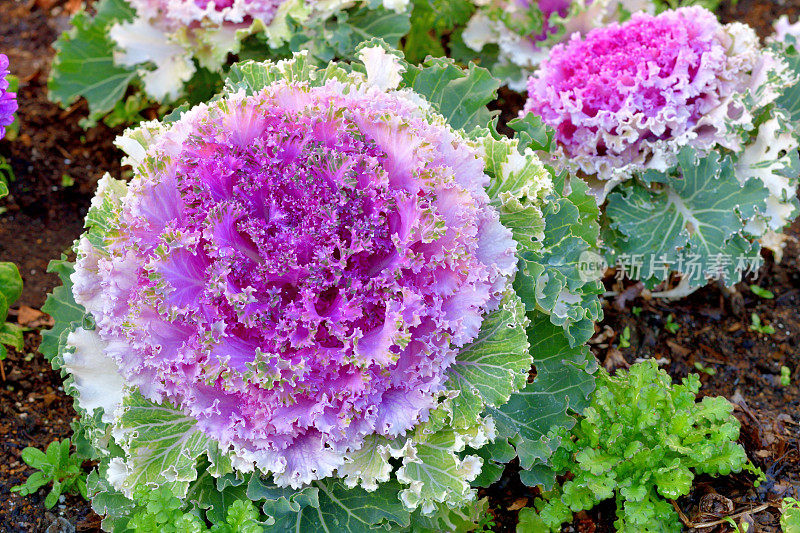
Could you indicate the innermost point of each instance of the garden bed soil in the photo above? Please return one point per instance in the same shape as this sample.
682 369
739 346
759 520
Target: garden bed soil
57 164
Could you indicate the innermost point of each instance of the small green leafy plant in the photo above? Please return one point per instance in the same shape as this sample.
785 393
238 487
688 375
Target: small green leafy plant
625 338
786 376
641 441
56 466
671 325
10 291
763 293
757 326
486 523
159 510
790 515
744 527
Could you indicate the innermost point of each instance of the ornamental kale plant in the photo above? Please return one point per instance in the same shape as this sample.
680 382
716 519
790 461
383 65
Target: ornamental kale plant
8 101
524 31
320 292
686 131
641 441
172 51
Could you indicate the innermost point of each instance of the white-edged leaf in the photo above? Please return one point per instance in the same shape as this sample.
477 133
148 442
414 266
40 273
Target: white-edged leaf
493 366
698 212
162 444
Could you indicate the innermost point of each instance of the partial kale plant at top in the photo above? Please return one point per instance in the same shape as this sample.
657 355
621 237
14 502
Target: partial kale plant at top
316 305
687 132
134 53
512 37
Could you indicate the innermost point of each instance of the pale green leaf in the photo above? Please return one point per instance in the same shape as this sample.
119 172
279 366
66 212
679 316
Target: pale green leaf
460 95
493 366
697 212
84 64
162 444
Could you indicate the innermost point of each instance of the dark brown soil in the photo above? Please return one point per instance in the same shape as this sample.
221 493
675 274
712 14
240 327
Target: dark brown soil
44 215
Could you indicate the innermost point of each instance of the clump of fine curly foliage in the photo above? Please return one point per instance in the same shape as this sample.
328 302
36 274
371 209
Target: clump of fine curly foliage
160 510
641 441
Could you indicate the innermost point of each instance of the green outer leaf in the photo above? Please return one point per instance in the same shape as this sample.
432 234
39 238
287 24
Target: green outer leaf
450 519
340 509
108 502
106 204
430 20
789 100
549 280
340 36
84 64
493 366
62 307
518 189
213 494
564 381
162 444
282 503
532 133
434 471
366 24
461 96
700 210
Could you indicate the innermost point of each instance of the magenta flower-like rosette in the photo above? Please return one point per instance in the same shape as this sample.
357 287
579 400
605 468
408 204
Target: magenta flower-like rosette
629 96
296 269
8 100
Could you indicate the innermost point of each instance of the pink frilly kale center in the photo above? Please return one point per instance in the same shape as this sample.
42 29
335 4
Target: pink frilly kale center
299 268
624 86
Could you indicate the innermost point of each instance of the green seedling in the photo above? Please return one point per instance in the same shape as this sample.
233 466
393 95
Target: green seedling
763 293
743 528
671 325
757 326
705 369
625 339
786 376
56 466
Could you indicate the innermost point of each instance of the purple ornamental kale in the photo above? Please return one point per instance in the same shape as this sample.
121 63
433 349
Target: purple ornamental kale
634 93
297 270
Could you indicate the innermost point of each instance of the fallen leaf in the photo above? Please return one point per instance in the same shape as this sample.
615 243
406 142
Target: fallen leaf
614 359
32 318
677 349
518 504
